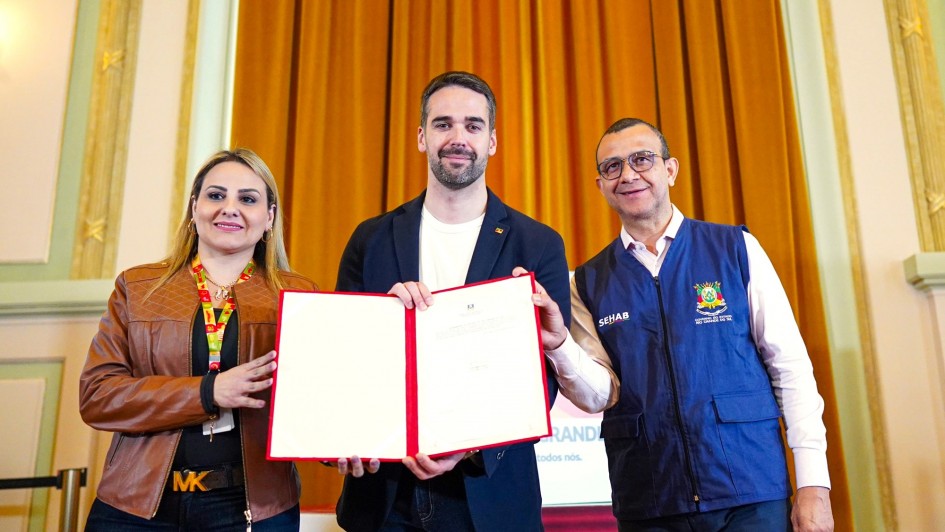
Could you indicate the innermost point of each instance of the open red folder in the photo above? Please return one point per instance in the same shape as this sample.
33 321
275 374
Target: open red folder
359 374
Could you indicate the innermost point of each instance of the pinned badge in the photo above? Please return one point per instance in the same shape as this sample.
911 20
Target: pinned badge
499 230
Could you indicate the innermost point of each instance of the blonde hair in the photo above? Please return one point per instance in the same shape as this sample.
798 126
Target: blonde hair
270 256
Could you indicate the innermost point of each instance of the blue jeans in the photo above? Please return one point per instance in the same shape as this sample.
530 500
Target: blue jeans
435 505
220 509
770 516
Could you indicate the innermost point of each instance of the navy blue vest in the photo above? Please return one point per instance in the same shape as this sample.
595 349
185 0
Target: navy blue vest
697 426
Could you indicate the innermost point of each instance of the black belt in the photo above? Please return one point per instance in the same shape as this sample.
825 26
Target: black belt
197 479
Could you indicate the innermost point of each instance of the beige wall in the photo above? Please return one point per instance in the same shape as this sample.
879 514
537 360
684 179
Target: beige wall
883 337
152 147
63 341
890 375
908 396
32 104
51 322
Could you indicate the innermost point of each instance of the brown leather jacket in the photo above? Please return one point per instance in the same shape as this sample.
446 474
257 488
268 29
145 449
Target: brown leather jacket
137 383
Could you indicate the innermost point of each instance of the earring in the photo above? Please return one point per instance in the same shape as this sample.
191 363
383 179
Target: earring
192 226
267 235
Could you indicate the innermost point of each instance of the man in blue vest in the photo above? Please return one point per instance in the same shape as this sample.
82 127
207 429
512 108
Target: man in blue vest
684 337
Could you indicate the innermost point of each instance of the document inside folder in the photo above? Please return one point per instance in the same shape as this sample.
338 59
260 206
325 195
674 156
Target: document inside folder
358 374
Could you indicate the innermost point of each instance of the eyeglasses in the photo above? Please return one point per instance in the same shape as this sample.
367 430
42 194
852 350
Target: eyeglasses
639 162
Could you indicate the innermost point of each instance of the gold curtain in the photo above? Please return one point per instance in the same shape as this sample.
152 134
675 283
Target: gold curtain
328 93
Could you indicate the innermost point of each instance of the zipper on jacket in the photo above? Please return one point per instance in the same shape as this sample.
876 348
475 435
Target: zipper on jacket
675 390
239 360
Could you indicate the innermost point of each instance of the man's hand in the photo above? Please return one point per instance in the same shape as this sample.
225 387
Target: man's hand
356 468
553 331
424 467
232 387
413 294
812 512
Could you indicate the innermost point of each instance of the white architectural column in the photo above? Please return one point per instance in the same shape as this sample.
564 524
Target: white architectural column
926 272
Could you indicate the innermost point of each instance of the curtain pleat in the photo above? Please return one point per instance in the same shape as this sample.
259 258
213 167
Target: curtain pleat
262 87
328 93
714 177
673 103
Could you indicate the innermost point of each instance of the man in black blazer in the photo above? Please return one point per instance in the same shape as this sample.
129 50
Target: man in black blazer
456 232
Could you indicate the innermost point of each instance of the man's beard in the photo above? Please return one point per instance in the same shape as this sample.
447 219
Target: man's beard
451 180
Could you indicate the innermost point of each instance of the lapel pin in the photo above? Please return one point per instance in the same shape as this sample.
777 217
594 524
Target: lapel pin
499 230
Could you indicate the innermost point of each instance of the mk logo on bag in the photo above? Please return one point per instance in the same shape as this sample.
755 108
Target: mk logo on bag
191 483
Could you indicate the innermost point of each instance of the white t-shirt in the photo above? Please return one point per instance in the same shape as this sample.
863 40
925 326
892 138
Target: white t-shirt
446 250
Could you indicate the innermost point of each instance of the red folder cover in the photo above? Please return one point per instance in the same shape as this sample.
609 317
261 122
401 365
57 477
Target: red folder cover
359 374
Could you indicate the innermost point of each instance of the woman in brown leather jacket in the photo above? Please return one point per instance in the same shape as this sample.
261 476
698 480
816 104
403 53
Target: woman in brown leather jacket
181 366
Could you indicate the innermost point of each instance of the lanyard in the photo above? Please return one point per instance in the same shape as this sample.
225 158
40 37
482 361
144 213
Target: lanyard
215 330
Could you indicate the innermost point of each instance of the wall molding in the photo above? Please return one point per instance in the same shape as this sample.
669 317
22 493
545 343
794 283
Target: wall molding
923 115
182 154
925 271
55 297
106 147
861 289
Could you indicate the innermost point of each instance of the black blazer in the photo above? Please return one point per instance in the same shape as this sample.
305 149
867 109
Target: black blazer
504 493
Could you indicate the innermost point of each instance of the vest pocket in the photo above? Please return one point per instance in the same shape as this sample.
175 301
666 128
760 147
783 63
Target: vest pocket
746 406
622 426
750 435
629 462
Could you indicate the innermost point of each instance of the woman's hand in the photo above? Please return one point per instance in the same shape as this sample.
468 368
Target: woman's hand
232 388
